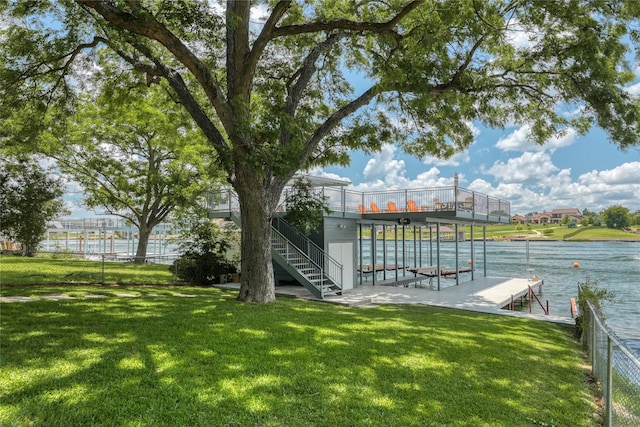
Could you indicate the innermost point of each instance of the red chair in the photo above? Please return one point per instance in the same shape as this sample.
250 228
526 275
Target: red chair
412 206
392 206
362 209
375 208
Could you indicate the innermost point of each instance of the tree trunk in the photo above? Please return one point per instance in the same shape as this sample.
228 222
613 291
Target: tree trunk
257 205
143 243
29 249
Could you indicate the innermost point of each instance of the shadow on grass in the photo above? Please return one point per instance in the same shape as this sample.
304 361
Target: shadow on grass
214 361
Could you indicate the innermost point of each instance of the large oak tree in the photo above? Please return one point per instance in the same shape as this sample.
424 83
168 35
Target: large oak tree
274 93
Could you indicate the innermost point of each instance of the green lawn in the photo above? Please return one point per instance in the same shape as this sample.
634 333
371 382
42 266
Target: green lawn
212 361
46 270
550 232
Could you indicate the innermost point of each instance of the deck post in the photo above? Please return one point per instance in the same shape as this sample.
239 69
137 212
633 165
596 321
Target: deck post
361 256
438 252
420 247
373 254
430 246
457 255
484 244
473 255
415 249
395 240
384 251
404 253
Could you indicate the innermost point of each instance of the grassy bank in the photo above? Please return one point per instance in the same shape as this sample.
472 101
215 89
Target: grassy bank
210 360
535 232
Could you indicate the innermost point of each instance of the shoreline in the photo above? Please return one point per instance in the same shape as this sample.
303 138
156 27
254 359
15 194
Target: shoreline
561 240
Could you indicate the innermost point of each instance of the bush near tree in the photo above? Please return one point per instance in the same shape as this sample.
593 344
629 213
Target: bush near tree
204 255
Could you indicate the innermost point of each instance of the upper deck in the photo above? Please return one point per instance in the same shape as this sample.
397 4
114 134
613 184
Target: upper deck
439 204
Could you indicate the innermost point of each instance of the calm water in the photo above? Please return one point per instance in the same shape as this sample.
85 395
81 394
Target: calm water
614 265
158 247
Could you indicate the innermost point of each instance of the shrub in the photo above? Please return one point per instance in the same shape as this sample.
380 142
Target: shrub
204 257
589 291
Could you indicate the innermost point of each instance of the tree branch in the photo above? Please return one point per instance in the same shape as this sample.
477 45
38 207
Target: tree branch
184 94
303 75
335 119
266 35
145 24
345 24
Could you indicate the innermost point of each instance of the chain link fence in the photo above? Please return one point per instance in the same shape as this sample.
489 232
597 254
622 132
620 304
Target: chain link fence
615 367
70 268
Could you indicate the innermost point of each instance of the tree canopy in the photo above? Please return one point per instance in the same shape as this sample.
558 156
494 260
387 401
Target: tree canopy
616 217
136 154
29 199
275 93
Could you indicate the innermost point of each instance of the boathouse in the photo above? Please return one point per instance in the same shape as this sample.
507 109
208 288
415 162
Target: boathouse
364 238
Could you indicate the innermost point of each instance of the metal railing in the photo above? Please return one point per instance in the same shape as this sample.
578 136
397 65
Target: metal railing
615 367
338 199
319 257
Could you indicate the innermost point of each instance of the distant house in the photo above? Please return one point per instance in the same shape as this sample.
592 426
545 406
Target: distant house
518 219
542 218
555 216
558 214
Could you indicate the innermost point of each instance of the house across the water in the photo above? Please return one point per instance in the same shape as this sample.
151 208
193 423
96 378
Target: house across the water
364 240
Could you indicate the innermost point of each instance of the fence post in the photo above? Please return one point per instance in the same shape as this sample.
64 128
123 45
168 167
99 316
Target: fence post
609 384
102 281
592 328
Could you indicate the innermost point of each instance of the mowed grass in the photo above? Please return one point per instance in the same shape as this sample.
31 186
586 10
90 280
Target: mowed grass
213 361
35 270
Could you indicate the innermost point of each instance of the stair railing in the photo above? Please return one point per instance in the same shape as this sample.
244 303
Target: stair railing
292 251
533 293
331 267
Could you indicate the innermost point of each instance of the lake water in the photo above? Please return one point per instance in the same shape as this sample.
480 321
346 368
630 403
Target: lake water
613 265
159 249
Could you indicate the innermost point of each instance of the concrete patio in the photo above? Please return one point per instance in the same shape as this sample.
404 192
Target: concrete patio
486 295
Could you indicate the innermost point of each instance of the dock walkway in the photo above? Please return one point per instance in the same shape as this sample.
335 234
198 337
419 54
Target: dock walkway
486 295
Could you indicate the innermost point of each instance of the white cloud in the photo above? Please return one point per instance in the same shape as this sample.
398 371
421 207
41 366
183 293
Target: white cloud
625 174
521 37
318 171
455 160
384 165
259 12
595 190
531 168
617 186
519 140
